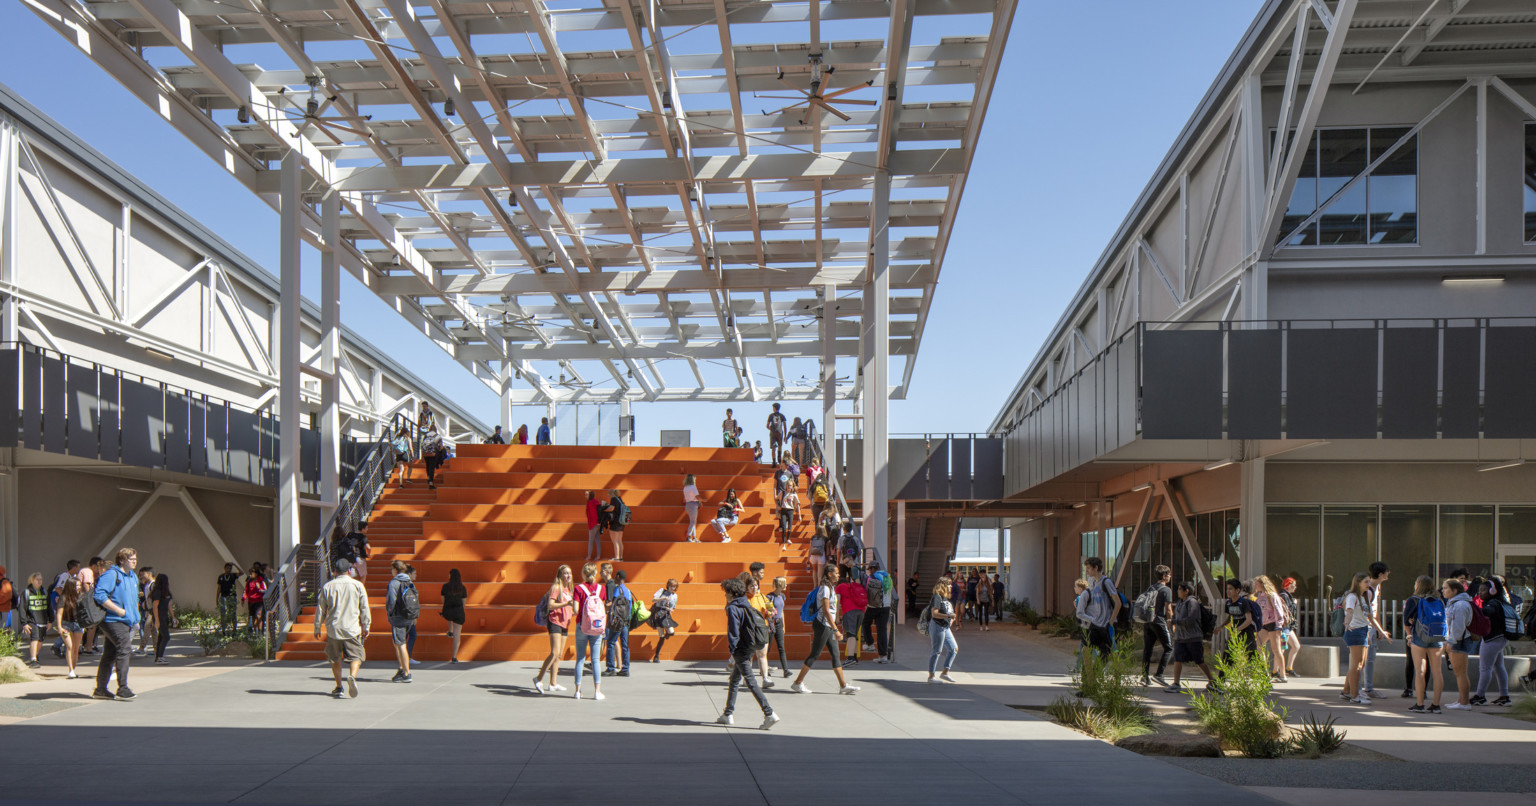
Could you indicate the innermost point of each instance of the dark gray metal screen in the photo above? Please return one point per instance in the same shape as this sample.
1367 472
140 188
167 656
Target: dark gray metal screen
1331 384
1409 373
1185 402
1459 405
1253 387
1509 405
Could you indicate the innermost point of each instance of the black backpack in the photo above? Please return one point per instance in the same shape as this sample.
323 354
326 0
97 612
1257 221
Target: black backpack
620 607
756 629
407 603
1207 621
725 511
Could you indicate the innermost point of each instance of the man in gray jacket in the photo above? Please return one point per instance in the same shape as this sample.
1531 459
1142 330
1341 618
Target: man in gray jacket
342 607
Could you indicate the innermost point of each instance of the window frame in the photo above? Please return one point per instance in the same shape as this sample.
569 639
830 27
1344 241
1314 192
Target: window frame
1418 165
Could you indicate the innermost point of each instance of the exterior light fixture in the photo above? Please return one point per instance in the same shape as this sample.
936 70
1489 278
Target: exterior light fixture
666 99
1472 279
1220 463
448 110
160 354
1138 488
243 114
1500 465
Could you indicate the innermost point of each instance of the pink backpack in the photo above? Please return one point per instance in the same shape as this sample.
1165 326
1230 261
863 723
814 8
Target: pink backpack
593 615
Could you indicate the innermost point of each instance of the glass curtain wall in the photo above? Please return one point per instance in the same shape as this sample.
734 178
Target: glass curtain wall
1216 534
1466 540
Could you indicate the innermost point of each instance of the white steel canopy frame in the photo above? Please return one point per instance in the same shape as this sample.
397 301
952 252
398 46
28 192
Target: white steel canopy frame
595 201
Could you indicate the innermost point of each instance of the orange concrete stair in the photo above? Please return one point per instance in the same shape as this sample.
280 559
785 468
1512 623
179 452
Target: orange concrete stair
506 517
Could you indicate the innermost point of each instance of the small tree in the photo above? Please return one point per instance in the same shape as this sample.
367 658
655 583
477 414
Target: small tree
1243 714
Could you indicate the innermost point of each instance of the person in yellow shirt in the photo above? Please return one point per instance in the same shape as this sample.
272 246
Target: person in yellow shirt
760 603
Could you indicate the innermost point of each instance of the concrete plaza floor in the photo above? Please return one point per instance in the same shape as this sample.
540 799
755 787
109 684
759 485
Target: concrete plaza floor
213 731
478 734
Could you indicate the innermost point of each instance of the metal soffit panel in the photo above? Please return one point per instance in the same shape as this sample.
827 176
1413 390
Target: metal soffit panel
552 184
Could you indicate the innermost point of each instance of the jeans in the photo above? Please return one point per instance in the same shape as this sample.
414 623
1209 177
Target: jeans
943 641
692 508
741 669
433 463
1101 639
982 609
1153 634
162 637
877 620
115 654
582 642
823 637
1372 642
618 636
721 524
410 641
778 640
228 612
1490 666
594 546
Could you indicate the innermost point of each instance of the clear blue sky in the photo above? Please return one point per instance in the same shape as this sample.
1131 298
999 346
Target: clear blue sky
1091 95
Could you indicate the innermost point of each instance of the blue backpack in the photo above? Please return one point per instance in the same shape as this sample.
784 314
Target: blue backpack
541 613
1429 624
811 606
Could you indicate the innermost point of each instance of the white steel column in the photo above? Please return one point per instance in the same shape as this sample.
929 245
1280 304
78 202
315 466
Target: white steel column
877 368
549 411
288 349
829 378
9 142
10 509
508 372
1250 515
626 437
1002 548
330 355
1482 166
900 565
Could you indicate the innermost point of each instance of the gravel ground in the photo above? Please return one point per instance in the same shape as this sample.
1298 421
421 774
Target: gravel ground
1364 775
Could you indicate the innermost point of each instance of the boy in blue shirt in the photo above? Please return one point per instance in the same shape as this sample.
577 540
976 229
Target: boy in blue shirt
117 593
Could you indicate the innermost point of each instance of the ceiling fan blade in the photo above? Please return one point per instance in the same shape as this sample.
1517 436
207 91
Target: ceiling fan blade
787 108
801 99
827 96
786 83
856 102
329 125
830 108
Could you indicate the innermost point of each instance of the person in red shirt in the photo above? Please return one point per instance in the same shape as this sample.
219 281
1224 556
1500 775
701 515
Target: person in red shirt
594 527
590 629
853 600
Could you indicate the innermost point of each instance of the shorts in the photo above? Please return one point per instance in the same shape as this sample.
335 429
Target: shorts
556 629
1426 644
852 621
1357 636
1189 652
1466 646
400 632
1270 627
349 650
72 627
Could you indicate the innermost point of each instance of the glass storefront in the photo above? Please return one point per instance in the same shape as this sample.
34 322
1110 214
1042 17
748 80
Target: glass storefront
1217 534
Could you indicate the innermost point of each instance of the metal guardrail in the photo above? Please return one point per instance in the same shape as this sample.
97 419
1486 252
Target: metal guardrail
307 566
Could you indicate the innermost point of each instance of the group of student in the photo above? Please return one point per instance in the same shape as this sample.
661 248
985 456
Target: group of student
795 434
520 436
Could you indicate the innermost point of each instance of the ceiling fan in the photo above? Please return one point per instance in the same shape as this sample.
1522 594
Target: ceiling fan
572 383
816 99
311 114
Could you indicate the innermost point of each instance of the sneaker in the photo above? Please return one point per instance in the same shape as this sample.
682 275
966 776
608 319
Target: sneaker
1418 709
799 688
538 685
415 662
557 687
1478 700
1213 688
767 682
576 695
610 672
725 719
398 674
598 695
870 648
1346 697
161 660
1407 694
1434 709
338 693
98 694
622 673
882 660
786 674
1362 700
351 686
945 677
1456 706
849 690
1289 672
935 680
137 653
405 679
725 540
1158 679
1173 689
1502 701
850 661
71 675
1375 695
126 695
33 664
769 721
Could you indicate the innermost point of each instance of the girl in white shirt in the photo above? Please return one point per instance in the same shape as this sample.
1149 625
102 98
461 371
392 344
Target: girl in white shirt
1357 627
663 602
691 504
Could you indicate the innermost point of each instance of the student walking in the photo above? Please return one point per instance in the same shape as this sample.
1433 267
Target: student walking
453 594
618 518
228 600
728 515
878 589
776 624
1503 627
1424 621
778 428
1156 631
342 606
746 635
691 506
825 634
432 454
853 600
1357 623
160 602
1459 642
789 509
595 515
1242 612
621 607
559 604
1272 616
543 435
818 554
117 592
1188 638
34 616
402 606
1290 640
941 617
1101 608
663 602
255 596
983 601
592 625
67 617
1377 576
402 448
797 441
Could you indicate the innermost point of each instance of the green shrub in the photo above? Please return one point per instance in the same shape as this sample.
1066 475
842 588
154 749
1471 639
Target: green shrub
1023 612
1315 739
195 618
10 645
1062 627
1243 714
1113 682
1525 706
1097 722
258 642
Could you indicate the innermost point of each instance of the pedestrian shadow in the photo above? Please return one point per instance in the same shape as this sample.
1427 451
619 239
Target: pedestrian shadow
665 723
54 695
288 693
508 691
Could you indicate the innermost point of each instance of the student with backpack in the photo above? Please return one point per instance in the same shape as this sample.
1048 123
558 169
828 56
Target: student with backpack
818 553
853 599
1357 623
34 615
402 606
984 601
777 599
663 602
554 613
116 592
820 611
1102 608
1424 621
432 454
1151 609
878 589
618 518
592 625
1460 642
728 515
1272 616
255 597
789 509
1504 627
621 607
746 634
1188 638
1377 576
752 584
939 618
1290 640
160 607
595 517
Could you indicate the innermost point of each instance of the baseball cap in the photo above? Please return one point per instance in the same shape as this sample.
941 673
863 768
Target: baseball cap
343 565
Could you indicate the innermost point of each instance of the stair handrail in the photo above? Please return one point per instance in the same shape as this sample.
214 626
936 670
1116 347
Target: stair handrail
307 565
839 501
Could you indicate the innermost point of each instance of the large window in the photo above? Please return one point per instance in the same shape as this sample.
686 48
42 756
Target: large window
1292 541
1350 543
1408 544
1466 539
1381 208
1530 182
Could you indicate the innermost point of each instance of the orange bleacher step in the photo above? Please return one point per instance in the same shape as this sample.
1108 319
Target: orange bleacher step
571 552
533 646
522 594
